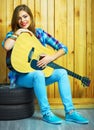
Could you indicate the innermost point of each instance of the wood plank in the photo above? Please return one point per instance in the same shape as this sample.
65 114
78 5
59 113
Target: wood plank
24 2
44 14
16 2
82 44
92 45
70 38
38 13
3 75
9 13
50 30
31 5
51 17
76 18
10 8
89 48
60 30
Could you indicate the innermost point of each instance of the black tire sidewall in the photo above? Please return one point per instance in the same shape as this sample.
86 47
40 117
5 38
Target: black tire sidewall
17 95
15 112
16 103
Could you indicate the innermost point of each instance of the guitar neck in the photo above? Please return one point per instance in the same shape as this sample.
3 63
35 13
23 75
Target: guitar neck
56 66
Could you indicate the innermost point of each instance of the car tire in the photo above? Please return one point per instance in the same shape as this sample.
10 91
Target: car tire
17 95
16 103
15 112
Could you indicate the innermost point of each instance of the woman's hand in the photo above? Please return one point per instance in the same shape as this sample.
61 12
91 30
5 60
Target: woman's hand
21 30
9 43
44 60
47 58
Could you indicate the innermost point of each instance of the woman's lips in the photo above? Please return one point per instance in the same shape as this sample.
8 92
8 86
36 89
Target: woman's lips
23 24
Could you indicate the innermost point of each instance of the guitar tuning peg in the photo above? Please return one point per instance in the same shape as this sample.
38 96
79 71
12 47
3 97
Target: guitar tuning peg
84 85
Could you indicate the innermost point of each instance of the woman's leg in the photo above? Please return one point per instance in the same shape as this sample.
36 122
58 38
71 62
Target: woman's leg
36 80
60 76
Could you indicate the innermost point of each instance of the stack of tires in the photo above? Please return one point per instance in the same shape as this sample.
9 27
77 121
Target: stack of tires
16 103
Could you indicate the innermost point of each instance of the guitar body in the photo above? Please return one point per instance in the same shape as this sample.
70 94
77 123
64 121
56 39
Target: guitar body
20 57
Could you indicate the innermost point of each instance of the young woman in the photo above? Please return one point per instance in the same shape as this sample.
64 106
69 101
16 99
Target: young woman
22 21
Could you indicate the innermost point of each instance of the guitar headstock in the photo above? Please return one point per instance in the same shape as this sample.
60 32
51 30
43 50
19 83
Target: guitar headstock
85 81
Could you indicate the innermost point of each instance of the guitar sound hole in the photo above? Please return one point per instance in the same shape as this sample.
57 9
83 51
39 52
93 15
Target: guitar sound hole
33 64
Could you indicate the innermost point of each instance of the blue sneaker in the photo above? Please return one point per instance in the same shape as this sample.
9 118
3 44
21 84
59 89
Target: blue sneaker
77 118
51 118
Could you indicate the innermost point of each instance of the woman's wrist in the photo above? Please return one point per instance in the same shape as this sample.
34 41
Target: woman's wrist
18 32
14 36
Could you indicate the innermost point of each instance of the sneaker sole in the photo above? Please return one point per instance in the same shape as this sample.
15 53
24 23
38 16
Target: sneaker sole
71 120
56 123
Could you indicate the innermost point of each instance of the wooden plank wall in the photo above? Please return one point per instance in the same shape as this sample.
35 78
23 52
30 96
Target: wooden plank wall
71 22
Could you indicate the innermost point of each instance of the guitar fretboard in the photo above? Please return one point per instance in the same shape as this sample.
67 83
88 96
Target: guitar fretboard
56 66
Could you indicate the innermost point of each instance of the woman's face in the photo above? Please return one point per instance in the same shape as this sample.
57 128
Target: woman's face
24 19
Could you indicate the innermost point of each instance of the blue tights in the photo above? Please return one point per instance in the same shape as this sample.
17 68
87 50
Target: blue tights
38 81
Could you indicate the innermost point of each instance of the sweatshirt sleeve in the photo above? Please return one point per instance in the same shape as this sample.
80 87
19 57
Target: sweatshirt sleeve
7 36
47 39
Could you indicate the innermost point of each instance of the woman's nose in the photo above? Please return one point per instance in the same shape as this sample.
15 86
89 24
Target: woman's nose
22 19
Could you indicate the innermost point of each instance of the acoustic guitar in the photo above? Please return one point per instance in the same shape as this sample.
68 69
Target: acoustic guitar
27 51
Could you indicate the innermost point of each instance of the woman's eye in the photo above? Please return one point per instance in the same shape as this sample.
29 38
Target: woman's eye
25 16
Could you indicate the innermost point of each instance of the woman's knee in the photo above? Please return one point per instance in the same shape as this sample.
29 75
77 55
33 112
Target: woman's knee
38 74
61 72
